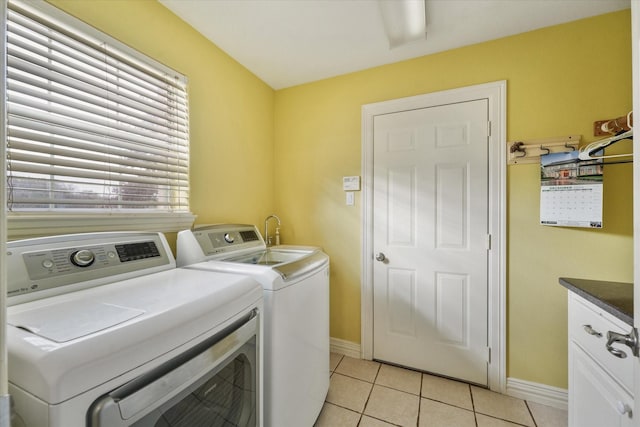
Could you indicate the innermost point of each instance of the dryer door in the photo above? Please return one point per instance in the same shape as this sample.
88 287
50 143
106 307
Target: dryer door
213 384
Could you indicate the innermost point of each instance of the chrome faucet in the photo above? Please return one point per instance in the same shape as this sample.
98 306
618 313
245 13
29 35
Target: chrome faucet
268 239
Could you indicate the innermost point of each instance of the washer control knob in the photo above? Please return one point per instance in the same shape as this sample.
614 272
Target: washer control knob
228 238
83 258
47 263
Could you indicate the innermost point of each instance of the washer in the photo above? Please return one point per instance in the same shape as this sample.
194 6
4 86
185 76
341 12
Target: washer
295 280
103 330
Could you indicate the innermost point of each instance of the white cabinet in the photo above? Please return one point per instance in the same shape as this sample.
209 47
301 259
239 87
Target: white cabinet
600 384
595 399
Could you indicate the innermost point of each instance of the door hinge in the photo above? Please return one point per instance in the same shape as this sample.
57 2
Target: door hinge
488 242
488 355
489 128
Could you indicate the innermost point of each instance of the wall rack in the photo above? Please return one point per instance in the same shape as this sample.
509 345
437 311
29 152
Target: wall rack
524 152
613 126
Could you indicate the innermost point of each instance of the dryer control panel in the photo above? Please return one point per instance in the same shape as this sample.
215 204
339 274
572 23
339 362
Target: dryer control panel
51 263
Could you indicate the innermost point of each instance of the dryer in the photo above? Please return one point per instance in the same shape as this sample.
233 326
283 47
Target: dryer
295 281
104 330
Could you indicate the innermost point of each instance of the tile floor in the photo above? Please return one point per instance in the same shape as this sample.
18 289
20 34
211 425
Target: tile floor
371 394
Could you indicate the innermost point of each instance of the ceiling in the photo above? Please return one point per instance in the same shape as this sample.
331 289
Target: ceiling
290 42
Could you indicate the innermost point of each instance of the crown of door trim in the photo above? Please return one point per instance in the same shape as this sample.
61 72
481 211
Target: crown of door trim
495 93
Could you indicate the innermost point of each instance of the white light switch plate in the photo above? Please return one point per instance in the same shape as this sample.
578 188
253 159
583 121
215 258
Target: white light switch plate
350 198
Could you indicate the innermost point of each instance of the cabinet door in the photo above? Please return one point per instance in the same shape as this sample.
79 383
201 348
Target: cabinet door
595 399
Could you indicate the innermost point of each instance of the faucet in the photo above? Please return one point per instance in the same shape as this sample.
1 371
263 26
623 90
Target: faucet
268 239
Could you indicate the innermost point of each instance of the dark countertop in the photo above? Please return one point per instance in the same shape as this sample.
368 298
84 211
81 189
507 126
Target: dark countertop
615 298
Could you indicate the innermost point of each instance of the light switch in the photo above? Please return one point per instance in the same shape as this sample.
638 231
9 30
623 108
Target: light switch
350 198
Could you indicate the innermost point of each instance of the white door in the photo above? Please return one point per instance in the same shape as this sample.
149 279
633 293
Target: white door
430 237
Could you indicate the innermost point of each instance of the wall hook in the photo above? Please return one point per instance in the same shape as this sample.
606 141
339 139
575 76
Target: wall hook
517 148
523 152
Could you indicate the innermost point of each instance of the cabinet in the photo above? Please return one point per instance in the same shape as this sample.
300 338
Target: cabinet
600 384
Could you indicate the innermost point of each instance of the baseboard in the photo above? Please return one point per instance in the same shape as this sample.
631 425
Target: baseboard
538 393
345 347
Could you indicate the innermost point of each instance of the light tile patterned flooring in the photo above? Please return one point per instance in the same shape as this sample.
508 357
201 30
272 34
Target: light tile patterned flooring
371 394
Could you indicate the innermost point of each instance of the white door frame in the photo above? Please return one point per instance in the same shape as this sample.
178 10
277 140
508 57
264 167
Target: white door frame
635 55
495 93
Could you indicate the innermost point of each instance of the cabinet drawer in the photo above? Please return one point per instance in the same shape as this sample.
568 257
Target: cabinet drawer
586 321
595 399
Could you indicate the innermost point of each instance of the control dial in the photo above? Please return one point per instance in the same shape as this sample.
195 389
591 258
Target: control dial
228 238
83 258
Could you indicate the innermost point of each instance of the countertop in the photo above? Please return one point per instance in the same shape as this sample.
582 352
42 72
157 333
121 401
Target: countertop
615 298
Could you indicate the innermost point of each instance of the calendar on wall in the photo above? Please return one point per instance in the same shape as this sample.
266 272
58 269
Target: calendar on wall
570 191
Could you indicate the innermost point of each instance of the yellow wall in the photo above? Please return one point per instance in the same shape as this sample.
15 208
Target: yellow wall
231 110
255 151
560 80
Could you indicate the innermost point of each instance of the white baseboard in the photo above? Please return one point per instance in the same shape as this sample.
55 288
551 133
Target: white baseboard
345 347
538 393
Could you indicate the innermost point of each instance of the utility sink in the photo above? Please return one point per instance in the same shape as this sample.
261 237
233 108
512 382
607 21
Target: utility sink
271 256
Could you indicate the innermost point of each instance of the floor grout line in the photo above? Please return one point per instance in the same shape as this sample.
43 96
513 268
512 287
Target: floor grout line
374 383
367 401
473 405
535 423
420 399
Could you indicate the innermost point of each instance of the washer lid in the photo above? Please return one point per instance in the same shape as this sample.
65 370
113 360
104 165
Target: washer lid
82 318
289 262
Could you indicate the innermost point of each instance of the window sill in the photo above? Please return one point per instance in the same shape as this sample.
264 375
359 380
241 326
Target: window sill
26 225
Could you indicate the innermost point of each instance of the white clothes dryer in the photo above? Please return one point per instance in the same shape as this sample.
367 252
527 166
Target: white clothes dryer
295 280
104 330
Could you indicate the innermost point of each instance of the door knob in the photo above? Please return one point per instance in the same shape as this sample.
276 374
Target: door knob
623 408
381 257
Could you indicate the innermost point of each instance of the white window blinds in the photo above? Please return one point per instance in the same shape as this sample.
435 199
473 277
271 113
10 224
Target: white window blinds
92 125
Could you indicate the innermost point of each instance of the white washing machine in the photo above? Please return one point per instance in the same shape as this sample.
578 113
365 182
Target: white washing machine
104 331
295 280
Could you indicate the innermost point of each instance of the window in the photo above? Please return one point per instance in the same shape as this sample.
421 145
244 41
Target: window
97 133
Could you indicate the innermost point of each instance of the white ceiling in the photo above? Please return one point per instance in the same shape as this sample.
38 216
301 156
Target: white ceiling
290 42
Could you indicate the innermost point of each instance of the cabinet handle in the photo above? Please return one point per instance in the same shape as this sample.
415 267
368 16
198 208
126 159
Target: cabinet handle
630 340
588 329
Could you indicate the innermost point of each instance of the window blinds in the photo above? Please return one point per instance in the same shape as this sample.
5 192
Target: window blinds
91 125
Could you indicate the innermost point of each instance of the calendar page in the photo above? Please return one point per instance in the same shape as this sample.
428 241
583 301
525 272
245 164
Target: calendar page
570 191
